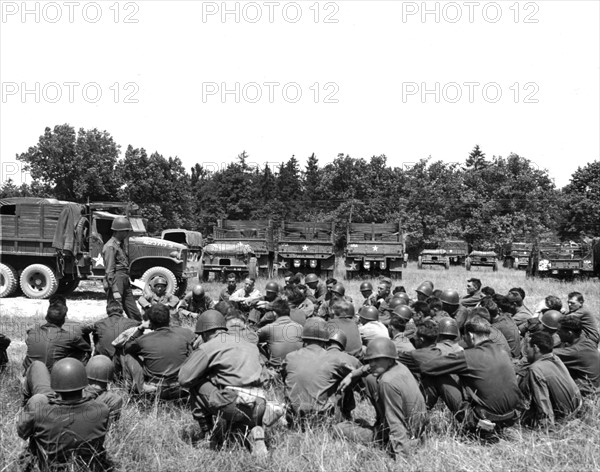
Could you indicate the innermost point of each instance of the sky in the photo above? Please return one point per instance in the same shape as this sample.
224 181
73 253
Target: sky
204 81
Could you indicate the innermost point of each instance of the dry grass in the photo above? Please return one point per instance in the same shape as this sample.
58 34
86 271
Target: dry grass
152 436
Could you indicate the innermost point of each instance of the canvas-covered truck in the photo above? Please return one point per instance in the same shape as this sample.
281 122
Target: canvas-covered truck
49 246
241 247
457 251
432 257
518 255
306 247
482 259
375 249
191 239
567 260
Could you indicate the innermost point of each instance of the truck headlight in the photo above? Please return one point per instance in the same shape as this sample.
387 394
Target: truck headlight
175 254
297 263
367 265
382 265
313 263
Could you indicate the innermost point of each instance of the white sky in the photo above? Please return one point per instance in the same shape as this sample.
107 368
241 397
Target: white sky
375 56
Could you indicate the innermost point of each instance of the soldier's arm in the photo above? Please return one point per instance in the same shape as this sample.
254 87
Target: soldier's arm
237 296
194 369
132 346
144 302
173 302
540 396
110 264
440 364
26 419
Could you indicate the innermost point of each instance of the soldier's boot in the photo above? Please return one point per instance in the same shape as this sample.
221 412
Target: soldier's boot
256 439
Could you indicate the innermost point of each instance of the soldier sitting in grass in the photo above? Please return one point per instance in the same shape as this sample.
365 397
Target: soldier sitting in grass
159 295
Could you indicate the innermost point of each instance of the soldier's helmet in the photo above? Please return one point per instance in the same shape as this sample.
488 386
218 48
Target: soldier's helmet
403 295
100 368
159 281
340 338
310 278
425 289
68 375
315 329
366 286
428 282
381 347
198 290
448 326
210 320
369 313
404 312
396 301
272 287
121 223
339 289
450 297
551 319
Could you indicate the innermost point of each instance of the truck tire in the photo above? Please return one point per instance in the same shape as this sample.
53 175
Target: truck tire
68 286
182 286
154 272
8 280
38 281
495 267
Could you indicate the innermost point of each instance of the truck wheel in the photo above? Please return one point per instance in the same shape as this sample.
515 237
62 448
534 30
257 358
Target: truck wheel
252 269
8 280
67 286
182 286
38 281
157 271
205 275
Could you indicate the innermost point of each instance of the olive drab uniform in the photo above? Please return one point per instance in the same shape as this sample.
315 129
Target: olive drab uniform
150 299
116 278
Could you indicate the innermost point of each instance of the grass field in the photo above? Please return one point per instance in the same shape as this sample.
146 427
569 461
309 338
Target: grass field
154 437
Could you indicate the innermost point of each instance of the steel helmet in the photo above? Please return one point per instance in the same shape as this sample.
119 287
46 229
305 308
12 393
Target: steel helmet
551 319
404 312
339 337
428 282
381 347
198 290
210 320
310 278
272 287
121 223
159 281
316 329
369 313
403 295
396 301
100 368
450 297
68 375
448 326
425 289
365 286
339 289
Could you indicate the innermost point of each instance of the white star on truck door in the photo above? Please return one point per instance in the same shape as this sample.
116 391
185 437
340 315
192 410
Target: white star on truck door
375 248
99 261
305 248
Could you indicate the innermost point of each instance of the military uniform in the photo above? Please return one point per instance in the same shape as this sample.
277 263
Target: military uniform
520 318
150 299
282 337
307 307
582 360
4 343
349 327
472 300
345 402
194 306
372 330
106 330
589 325
239 329
403 343
226 293
116 278
505 324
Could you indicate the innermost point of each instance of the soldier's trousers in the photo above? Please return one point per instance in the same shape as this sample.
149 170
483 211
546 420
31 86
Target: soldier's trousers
446 387
139 381
37 380
123 286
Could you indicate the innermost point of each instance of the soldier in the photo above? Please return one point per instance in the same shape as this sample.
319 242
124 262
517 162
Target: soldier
588 321
236 325
369 325
496 336
152 360
337 292
336 348
50 342
579 354
4 343
116 266
436 309
223 376
316 286
400 317
501 312
195 302
159 295
282 336
424 291
547 383
343 320
230 289
69 426
451 305
366 290
399 405
262 312
100 371
487 376
301 308
522 313
386 309
246 297
384 289
474 295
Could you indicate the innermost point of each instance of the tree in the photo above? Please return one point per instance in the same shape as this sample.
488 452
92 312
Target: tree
581 213
77 168
476 159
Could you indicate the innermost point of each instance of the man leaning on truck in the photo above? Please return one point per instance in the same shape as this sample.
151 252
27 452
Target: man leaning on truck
116 261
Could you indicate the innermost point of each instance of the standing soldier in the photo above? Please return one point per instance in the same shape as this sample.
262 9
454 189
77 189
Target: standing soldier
116 262
195 302
231 288
159 295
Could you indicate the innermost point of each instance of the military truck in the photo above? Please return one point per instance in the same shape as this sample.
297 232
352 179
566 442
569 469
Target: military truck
457 251
375 249
241 247
567 260
306 247
431 257
482 259
518 255
49 246
191 239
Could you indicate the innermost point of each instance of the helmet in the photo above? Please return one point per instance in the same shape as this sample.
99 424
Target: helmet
315 329
448 326
403 312
100 368
366 286
369 313
450 297
272 287
68 375
551 318
425 289
159 281
403 295
428 282
396 301
339 337
198 291
310 278
339 289
121 223
209 320
381 347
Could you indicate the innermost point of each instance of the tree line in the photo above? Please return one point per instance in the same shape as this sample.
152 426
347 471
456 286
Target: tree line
488 202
